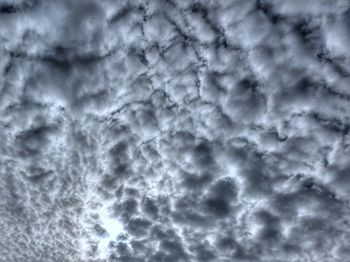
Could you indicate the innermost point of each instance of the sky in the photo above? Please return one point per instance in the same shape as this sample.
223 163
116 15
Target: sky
174 131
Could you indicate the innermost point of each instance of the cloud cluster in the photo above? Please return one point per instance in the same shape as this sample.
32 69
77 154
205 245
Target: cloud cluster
174 130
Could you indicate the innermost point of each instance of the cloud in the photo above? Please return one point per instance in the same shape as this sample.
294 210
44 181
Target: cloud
166 131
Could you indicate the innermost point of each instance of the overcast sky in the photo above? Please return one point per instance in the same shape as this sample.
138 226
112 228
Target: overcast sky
174 131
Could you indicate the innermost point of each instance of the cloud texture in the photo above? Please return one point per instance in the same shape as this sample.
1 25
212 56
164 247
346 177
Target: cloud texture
174 131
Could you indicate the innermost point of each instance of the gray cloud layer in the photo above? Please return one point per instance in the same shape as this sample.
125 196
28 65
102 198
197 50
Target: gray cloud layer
174 130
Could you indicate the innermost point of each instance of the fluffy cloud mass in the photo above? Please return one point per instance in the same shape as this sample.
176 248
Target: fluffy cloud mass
174 131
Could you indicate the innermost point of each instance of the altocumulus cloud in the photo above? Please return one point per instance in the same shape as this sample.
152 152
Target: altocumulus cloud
174 131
